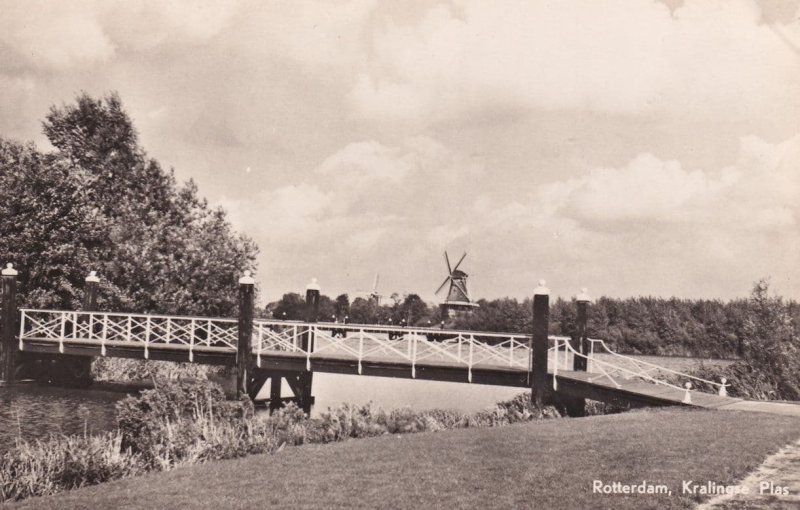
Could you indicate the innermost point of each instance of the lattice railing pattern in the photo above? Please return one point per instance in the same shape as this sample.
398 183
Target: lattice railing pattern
616 368
400 345
147 331
361 343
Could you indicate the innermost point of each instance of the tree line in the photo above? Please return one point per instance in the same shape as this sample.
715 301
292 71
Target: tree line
640 325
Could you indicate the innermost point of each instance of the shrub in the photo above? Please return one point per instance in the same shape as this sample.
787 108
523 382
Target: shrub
770 364
60 463
443 419
169 424
125 370
348 421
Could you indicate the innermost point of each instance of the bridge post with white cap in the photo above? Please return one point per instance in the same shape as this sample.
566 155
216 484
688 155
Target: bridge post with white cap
8 345
539 345
76 370
575 405
245 333
581 338
312 314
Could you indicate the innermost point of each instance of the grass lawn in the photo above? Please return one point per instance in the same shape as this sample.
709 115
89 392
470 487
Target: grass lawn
546 464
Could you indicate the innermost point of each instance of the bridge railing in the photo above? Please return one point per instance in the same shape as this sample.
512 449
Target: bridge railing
626 367
408 345
128 329
643 367
361 343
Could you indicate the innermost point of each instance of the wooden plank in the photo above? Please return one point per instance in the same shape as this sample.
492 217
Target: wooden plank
399 370
227 358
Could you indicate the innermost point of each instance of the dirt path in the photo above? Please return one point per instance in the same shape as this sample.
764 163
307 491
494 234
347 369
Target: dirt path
775 484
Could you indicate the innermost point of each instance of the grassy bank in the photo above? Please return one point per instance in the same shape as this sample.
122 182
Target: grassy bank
182 423
543 464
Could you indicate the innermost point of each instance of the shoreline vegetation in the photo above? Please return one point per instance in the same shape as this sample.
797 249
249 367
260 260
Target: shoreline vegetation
186 422
549 463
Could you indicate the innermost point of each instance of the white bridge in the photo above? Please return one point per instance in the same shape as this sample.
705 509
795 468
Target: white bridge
466 356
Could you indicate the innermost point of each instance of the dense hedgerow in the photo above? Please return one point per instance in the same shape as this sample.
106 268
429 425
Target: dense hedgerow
770 364
189 421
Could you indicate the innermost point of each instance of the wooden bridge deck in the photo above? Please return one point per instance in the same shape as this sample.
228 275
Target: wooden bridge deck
634 391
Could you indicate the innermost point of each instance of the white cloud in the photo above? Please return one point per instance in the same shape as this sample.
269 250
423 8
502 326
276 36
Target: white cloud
146 24
652 226
367 164
762 190
315 36
633 109
647 189
618 56
53 35
70 34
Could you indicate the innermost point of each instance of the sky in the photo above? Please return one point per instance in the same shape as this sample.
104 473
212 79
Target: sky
632 147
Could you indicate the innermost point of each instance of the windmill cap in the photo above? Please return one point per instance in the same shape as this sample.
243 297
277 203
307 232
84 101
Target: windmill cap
541 289
92 277
583 296
9 270
313 285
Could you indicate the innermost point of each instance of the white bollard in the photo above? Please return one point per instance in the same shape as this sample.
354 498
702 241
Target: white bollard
723 388
687 397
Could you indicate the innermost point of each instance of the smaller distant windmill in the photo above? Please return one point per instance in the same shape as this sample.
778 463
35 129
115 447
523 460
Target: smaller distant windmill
373 294
457 299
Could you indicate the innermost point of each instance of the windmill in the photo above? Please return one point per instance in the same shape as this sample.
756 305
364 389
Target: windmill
373 294
457 299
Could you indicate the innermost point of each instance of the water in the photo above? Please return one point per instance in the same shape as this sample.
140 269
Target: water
390 393
32 412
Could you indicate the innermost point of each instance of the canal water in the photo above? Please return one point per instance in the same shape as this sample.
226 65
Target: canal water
31 411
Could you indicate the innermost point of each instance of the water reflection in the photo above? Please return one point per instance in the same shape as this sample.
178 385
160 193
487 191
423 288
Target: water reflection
32 411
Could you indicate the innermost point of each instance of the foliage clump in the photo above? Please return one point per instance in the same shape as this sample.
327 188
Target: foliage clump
770 364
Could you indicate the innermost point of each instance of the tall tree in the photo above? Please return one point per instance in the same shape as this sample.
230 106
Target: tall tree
98 202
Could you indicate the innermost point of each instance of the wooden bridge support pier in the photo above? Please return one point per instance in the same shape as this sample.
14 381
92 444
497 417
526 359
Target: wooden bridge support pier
575 405
299 382
541 393
60 369
305 379
580 340
8 346
244 346
77 370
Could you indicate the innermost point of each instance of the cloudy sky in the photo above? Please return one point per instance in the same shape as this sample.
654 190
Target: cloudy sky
631 147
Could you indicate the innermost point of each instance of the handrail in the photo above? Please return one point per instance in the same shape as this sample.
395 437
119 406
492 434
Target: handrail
393 328
622 369
663 369
138 315
467 349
